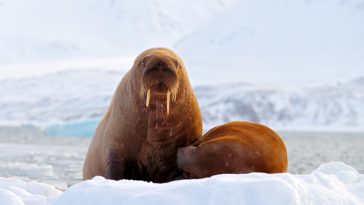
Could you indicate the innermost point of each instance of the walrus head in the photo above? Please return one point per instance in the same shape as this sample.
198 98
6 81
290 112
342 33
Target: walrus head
159 72
200 162
190 164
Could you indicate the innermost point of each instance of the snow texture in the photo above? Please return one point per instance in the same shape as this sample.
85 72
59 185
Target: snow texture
331 183
17 192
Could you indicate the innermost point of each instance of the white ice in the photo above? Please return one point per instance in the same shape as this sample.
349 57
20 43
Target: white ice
331 183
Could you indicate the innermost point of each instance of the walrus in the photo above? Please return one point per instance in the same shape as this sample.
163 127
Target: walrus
153 112
234 147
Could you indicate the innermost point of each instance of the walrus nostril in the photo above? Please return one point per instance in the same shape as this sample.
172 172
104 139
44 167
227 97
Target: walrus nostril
153 69
161 67
161 86
160 70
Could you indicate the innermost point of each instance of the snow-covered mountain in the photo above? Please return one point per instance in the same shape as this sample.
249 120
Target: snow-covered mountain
290 41
42 29
75 100
332 106
295 41
287 63
56 98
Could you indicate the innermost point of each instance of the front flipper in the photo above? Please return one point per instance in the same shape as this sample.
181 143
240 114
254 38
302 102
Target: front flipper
115 164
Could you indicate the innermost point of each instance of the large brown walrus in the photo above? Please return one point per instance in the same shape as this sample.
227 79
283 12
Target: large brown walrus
153 113
235 147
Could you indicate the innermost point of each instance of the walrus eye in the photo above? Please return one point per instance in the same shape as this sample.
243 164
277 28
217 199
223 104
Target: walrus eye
175 61
143 63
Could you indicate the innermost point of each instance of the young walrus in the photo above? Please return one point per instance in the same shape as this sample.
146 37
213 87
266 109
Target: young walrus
235 147
153 113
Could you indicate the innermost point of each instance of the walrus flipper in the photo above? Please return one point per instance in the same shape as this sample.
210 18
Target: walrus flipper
115 165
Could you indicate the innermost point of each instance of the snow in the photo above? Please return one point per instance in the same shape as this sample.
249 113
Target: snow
263 41
54 160
279 41
334 106
44 30
331 183
71 103
17 192
37 69
28 169
7 197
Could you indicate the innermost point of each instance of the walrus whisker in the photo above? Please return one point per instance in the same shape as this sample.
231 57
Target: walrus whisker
168 100
174 92
148 98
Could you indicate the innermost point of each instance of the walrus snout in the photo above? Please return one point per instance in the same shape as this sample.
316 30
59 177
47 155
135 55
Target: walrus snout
159 73
159 78
161 67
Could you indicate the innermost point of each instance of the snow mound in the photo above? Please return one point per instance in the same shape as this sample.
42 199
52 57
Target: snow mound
7 197
326 185
331 183
17 192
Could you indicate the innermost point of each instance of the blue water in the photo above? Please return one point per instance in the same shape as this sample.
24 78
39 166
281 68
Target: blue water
84 128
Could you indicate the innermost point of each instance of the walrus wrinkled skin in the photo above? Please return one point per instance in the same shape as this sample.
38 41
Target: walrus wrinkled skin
235 147
153 113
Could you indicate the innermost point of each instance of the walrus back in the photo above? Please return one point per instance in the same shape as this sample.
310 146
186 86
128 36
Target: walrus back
95 161
235 147
254 138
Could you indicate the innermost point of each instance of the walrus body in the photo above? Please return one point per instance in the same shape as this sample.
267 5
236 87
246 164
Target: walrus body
153 113
235 147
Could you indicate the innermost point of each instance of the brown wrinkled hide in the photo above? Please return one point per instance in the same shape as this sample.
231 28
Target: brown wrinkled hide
235 147
135 141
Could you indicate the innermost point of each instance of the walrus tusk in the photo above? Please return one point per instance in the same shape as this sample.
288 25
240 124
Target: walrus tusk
168 100
148 98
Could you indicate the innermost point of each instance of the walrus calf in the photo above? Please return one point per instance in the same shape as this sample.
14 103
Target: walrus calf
235 147
153 113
